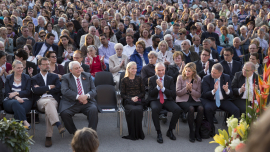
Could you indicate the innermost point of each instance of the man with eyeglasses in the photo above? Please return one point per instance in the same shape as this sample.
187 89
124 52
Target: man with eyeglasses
93 31
253 48
41 48
46 88
77 56
204 65
230 66
243 86
21 41
188 56
82 31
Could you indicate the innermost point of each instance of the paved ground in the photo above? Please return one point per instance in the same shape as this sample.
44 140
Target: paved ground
110 141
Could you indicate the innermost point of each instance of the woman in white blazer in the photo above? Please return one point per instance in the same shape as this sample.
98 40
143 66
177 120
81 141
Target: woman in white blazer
164 55
118 63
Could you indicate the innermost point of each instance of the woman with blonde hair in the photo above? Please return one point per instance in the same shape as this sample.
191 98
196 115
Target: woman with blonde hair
132 92
164 55
89 40
85 140
188 92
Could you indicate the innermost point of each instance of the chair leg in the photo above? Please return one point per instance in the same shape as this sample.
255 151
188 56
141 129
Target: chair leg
32 111
149 111
121 123
118 117
178 129
145 117
34 119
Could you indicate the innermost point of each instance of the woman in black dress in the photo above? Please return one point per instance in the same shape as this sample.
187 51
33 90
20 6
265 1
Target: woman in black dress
132 92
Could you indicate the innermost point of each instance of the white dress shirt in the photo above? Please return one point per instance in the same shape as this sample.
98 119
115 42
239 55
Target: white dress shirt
220 93
163 89
249 89
43 50
128 50
45 82
81 86
205 72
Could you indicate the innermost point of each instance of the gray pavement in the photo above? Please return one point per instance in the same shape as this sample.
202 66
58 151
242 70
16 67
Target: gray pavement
110 141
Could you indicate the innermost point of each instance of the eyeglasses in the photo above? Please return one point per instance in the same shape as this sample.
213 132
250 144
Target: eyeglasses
227 55
45 64
205 55
138 47
180 33
52 56
42 35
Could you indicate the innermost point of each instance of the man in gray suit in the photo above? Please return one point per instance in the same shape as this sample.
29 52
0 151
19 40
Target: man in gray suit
79 93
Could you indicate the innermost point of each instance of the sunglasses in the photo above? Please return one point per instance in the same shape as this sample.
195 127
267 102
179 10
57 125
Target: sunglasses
42 35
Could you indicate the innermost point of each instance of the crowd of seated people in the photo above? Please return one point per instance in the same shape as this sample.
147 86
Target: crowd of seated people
179 57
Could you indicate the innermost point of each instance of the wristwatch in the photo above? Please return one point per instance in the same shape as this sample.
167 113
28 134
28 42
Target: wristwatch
88 96
17 94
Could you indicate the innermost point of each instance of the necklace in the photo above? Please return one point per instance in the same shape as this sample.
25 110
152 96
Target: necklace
17 79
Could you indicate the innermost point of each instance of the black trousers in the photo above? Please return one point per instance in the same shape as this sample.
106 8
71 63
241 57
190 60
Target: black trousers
210 108
89 109
241 104
170 106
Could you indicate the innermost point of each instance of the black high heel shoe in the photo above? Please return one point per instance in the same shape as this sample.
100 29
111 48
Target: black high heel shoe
192 137
198 137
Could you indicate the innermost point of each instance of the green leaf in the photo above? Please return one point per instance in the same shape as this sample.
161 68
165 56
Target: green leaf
225 134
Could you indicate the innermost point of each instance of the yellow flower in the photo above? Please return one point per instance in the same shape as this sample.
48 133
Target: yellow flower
219 139
242 128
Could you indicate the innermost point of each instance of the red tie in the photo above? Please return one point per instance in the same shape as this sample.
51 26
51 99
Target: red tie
79 86
161 97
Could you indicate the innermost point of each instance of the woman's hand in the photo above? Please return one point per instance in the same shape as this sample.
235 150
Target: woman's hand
30 70
102 58
19 99
135 99
12 94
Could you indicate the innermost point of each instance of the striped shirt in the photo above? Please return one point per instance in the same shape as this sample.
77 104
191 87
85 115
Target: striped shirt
17 88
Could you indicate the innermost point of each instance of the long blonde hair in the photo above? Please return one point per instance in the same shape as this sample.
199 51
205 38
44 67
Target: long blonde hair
192 67
128 67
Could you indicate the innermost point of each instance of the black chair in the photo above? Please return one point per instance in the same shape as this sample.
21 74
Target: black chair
107 102
104 77
226 115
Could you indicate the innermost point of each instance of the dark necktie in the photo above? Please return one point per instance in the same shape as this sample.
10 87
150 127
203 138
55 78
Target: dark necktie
161 97
203 66
230 66
79 86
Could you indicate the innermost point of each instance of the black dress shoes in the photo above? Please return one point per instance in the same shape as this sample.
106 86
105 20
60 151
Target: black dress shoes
198 137
171 135
159 138
192 137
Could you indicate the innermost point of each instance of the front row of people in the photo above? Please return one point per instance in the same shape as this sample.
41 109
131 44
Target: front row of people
214 91
78 96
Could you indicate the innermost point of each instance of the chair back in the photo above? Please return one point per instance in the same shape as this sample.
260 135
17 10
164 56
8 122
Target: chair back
106 98
104 77
121 77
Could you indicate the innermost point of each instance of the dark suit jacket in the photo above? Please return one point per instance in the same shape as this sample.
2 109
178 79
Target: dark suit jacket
52 79
238 81
208 85
246 57
215 55
147 72
124 42
85 67
25 87
38 46
236 67
31 65
199 68
206 35
169 88
69 90
173 71
118 34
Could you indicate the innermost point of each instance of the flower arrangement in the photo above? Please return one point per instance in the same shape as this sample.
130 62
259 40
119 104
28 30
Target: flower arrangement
237 134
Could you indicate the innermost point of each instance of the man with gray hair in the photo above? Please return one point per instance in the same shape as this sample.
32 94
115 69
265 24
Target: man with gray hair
217 93
60 26
78 95
188 56
210 33
169 39
41 24
243 86
92 30
161 95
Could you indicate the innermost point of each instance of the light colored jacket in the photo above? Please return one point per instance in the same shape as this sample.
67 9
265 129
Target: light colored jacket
96 39
114 64
181 91
169 57
230 40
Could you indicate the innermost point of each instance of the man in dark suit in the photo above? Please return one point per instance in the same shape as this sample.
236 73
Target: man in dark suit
78 95
216 93
230 66
46 87
243 86
214 54
41 48
121 32
129 31
77 56
204 65
161 94
253 48
210 33
149 69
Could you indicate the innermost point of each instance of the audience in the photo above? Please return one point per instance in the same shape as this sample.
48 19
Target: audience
28 67
55 68
140 56
176 69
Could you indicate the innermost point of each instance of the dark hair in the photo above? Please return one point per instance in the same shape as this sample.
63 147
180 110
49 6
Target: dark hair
111 31
155 37
46 26
89 17
68 24
176 24
9 25
30 49
48 54
23 27
134 26
212 39
220 20
60 40
255 54
193 27
229 50
130 36
48 35
47 17
207 50
2 53
103 35
21 54
42 59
